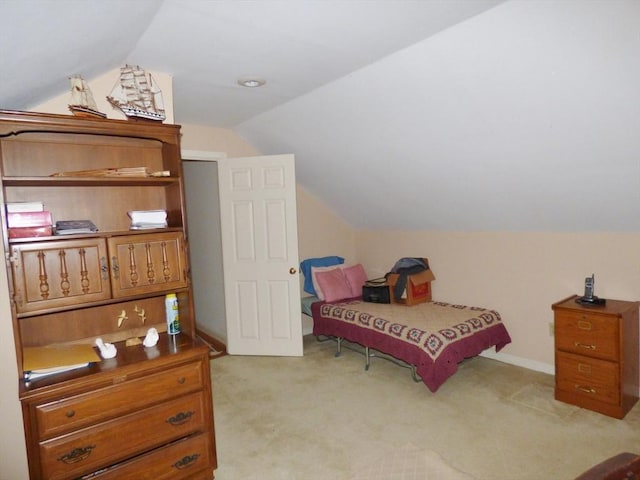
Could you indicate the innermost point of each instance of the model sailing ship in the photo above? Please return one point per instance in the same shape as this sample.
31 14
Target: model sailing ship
137 97
82 101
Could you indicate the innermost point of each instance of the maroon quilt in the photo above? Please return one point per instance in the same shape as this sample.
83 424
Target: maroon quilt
433 336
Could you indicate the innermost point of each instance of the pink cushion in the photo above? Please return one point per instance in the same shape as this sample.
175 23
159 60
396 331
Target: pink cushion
356 277
334 285
314 278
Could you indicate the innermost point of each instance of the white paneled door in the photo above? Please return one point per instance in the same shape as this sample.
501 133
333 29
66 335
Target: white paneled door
260 255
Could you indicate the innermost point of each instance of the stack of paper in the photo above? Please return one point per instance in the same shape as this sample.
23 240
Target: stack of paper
51 359
146 219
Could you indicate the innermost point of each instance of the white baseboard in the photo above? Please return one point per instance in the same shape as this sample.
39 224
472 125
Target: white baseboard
519 361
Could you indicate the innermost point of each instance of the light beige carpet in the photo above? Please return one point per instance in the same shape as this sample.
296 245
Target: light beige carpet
541 398
319 417
409 463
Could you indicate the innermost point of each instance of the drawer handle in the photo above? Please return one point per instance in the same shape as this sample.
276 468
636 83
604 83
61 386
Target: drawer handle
77 454
115 267
103 268
186 461
584 345
585 389
181 380
70 413
180 418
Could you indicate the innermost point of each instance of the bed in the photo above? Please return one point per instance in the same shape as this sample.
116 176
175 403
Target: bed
431 338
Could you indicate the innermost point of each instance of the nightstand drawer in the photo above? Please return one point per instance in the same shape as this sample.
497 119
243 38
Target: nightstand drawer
178 460
116 440
587 334
99 405
588 377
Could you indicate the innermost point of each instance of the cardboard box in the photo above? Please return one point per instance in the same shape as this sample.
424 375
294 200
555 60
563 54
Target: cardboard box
418 287
29 219
28 232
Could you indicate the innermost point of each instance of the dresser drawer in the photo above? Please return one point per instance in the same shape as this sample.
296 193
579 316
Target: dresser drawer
588 377
587 334
178 460
78 411
104 444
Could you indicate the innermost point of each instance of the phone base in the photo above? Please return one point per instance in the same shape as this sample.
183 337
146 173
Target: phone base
591 301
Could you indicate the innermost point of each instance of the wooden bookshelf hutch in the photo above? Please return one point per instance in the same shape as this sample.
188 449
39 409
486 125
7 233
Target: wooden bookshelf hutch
147 413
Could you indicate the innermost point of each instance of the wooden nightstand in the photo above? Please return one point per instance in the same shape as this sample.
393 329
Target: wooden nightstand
596 355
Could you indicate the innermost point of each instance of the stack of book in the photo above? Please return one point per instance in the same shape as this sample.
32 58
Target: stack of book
147 219
72 227
28 219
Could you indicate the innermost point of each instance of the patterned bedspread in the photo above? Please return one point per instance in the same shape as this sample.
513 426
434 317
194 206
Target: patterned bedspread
433 336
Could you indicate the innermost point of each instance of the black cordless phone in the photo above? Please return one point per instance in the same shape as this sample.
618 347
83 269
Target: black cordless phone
589 298
588 287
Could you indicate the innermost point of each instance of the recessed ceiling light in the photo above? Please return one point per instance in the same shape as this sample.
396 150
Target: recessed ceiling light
251 82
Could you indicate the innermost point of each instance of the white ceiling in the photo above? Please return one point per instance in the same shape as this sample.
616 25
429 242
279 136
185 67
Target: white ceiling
408 114
207 45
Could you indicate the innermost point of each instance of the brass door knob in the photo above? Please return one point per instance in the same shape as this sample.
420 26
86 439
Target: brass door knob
293 271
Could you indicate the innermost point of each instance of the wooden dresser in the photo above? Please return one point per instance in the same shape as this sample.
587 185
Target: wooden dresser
147 413
596 355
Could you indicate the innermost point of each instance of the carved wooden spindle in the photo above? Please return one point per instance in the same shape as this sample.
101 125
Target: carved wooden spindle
64 274
44 280
84 273
166 271
151 274
133 268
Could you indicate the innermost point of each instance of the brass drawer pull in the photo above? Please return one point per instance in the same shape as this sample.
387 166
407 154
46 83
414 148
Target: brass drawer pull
180 418
70 413
104 269
585 389
181 380
186 461
115 267
584 345
77 454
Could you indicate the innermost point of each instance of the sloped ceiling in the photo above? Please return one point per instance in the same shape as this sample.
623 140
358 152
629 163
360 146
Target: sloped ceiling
421 115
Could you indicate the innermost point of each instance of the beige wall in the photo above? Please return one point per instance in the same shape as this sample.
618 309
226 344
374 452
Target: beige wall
518 274
321 232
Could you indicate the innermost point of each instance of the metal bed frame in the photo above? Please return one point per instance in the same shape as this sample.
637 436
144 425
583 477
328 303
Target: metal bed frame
368 353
